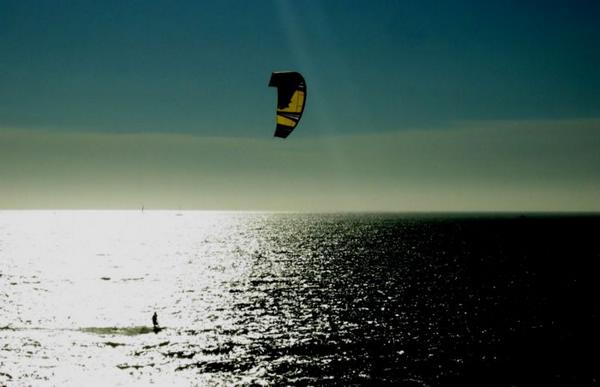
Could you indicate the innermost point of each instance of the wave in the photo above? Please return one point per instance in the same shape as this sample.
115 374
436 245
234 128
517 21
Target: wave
124 331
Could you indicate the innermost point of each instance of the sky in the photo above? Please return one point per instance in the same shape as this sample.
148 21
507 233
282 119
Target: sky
412 105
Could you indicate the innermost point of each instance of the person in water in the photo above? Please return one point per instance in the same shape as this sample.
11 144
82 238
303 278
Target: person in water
155 323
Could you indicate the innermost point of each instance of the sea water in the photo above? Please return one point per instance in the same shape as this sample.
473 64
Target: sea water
308 299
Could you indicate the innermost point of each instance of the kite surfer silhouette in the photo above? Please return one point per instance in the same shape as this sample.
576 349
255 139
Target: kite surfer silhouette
155 323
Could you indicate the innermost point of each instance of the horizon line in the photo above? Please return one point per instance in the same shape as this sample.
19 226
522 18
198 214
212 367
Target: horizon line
365 211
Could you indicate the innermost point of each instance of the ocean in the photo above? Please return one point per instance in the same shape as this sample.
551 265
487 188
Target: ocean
298 299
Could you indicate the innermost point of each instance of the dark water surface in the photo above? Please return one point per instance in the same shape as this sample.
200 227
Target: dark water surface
378 299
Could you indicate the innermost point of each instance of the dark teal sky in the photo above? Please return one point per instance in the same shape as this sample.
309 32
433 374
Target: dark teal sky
380 75
202 68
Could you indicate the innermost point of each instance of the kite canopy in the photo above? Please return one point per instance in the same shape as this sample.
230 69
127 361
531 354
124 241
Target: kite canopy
291 97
